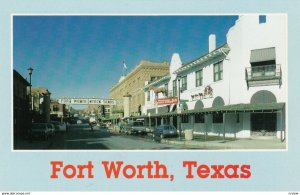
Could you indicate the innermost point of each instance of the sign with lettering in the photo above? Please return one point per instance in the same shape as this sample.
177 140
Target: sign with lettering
167 101
84 101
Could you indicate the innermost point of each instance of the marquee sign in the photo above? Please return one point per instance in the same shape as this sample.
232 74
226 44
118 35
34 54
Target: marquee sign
167 101
84 101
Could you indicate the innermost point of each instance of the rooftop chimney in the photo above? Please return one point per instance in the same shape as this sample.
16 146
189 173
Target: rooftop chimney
211 42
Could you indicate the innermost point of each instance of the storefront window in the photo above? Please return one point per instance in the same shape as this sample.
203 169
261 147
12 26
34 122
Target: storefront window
199 118
217 117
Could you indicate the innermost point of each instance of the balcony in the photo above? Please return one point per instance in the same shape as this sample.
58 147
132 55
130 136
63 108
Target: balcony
263 75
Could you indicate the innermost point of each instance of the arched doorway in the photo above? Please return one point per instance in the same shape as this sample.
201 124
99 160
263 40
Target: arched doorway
263 123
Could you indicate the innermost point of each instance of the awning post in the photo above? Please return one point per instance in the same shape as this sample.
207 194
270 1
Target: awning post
224 125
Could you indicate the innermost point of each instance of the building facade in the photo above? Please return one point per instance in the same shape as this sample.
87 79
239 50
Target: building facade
237 90
57 110
21 106
133 85
41 104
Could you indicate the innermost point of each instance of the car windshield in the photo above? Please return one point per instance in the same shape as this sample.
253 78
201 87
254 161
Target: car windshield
167 127
137 124
38 126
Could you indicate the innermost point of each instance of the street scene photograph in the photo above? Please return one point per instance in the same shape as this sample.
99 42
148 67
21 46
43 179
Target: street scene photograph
149 82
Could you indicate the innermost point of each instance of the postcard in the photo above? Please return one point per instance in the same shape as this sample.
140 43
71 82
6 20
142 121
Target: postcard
106 98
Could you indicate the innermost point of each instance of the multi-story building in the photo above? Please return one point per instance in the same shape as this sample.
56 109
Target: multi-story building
132 85
21 113
238 89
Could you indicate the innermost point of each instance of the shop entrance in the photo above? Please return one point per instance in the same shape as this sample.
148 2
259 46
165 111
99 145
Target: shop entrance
263 124
175 121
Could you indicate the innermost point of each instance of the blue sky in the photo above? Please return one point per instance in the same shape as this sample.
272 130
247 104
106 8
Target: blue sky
82 56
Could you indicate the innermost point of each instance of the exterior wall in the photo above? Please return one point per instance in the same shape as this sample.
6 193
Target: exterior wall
134 82
21 105
60 109
246 35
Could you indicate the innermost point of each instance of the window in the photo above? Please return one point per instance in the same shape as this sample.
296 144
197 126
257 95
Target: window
174 88
218 71
55 108
262 19
217 117
199 118
184 83
185 119
148 95
199 78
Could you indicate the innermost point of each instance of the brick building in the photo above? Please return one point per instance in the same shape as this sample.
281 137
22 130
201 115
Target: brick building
133 84
21 105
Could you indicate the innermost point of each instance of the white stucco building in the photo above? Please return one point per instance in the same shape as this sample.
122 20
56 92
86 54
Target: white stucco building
238 89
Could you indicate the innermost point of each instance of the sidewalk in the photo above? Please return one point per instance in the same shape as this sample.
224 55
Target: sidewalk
231 144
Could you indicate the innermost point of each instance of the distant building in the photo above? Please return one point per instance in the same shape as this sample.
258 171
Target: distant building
132 86
57 110
41 104
101 111
21 105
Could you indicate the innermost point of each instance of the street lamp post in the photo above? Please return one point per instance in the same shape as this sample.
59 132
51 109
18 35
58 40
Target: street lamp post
30 70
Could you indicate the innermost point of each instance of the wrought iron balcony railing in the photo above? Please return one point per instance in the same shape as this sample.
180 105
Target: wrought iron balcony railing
263 75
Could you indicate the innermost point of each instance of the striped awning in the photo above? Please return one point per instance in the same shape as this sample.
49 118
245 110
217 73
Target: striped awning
262 55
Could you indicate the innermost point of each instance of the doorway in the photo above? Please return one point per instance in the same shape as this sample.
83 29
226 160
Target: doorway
263 124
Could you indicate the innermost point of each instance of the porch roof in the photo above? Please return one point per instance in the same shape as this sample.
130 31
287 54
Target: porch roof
230 108
221 51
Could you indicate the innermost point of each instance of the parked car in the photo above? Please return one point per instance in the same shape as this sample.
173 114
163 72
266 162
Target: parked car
41 130
163 131
135 127
52 128
59 127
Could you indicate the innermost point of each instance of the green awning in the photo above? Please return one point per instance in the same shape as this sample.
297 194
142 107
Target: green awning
262 55
230 108
240 108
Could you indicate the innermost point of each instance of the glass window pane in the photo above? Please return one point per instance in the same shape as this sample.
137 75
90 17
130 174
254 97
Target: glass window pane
215 68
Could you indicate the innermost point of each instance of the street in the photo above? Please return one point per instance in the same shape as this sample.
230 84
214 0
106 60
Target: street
79 138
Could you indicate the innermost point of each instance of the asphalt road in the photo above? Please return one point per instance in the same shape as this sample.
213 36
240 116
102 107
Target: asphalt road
82 138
